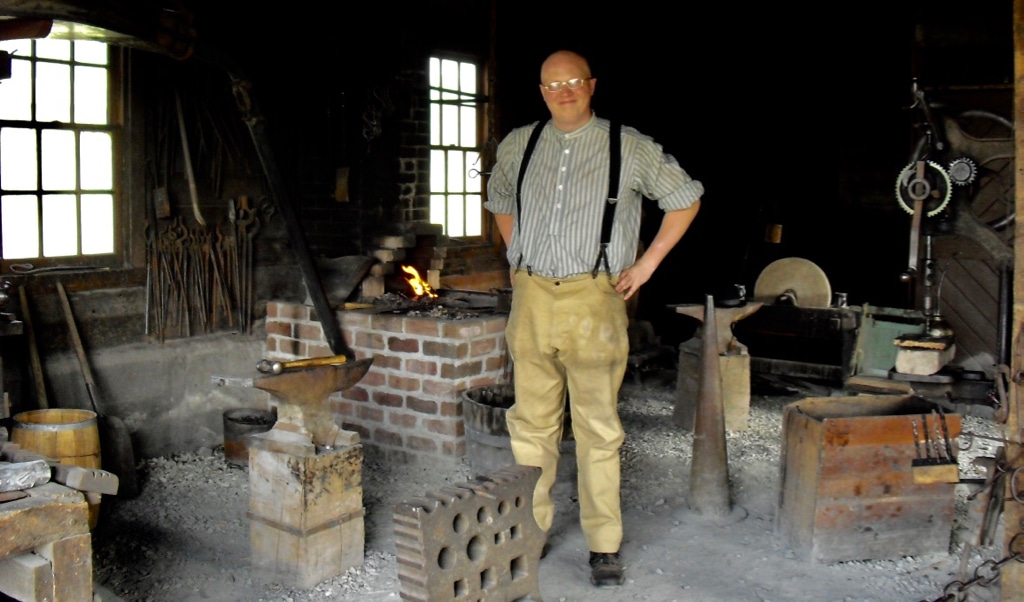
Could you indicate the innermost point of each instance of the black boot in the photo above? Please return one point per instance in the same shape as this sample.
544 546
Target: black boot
606 569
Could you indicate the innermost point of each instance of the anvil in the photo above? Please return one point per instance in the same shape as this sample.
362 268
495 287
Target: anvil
306 390
725 317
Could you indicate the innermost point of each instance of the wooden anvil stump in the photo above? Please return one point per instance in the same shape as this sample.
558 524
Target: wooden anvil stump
305 480
303 394
735 367
305 508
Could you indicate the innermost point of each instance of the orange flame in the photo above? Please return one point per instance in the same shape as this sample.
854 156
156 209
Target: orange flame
419 285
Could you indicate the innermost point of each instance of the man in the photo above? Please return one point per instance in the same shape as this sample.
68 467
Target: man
567 326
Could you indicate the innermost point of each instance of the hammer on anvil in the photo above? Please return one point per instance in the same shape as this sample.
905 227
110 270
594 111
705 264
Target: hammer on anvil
268 367
304 395
725 317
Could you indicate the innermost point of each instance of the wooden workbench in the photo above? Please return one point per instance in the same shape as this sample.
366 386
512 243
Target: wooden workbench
45 546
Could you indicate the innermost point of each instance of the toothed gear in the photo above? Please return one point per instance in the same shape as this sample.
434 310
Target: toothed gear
925 181
962 171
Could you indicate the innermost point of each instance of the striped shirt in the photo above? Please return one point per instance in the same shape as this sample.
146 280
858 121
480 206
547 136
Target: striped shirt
564 194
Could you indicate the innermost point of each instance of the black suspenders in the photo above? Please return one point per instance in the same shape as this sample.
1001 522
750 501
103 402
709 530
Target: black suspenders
608 217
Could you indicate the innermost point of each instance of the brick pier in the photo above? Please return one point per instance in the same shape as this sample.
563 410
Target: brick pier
408 405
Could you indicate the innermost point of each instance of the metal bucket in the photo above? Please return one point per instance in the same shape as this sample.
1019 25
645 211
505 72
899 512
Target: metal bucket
238 424
504 303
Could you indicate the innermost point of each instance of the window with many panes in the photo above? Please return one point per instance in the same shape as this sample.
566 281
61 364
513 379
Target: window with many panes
455 182
57 185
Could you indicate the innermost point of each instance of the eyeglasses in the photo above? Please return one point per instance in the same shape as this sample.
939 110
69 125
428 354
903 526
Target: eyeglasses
573 84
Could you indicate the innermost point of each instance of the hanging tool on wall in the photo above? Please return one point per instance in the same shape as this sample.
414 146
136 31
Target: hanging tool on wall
193 193
159 165
199 277
247 224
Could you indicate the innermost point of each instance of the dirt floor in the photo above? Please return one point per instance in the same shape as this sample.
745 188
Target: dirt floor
186 537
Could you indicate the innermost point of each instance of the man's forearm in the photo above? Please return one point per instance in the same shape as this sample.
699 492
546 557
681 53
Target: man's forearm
504 222
673 226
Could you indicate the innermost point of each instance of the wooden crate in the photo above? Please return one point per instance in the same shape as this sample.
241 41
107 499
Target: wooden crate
305 511
849 490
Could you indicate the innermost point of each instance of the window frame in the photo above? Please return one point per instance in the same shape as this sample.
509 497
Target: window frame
116 128
482 102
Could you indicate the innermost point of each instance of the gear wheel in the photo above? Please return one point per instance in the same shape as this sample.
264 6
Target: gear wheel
962 171
923 181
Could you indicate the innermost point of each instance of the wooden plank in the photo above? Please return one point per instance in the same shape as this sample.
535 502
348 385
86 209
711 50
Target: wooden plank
50 512
1012 574
822 408
879 486
866 518
26 577
86 479
881 530
71 559
799 471
875 461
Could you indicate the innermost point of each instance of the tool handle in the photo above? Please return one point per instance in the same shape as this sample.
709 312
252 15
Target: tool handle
927 439
917 442
83 361
314 361
945 434
33 348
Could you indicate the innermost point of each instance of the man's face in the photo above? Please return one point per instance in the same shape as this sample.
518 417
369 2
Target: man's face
567 106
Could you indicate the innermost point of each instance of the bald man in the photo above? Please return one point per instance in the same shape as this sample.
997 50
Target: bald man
571 278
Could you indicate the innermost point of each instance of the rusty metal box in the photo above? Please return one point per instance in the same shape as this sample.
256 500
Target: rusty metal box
848 489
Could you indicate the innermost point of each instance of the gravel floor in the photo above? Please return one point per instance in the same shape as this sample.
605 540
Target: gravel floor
186 536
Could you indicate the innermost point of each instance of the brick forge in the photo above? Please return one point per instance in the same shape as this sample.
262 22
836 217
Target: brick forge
408 406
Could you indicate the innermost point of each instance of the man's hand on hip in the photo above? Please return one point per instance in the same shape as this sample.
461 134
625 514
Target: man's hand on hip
632 278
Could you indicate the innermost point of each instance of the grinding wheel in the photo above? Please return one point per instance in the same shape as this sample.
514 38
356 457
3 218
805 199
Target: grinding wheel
794 280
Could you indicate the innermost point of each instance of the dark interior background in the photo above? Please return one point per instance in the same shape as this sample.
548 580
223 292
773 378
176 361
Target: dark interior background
766 106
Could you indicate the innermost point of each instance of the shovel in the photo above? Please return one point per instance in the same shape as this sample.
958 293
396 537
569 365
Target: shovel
116 453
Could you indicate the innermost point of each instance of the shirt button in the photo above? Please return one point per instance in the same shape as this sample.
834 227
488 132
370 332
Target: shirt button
563 169
558 205
566 151
559 186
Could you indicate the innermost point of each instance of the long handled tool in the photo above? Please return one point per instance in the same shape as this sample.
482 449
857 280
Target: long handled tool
38 383
116 452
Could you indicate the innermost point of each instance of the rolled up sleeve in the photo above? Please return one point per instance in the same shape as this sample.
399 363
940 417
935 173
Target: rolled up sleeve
660 177
501 187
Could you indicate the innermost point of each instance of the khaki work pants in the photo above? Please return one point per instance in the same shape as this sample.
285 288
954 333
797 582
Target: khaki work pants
569 335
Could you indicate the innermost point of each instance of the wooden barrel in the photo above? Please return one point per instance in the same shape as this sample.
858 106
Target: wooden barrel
488 443
66 435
